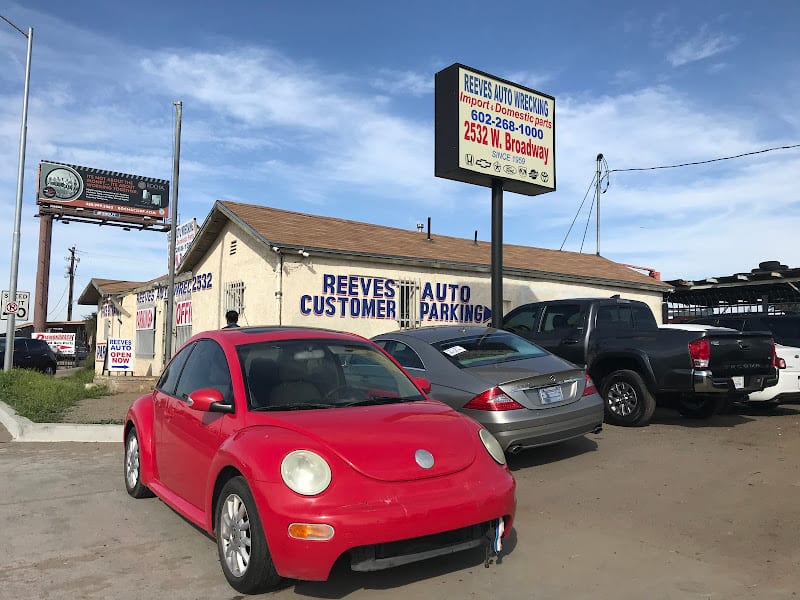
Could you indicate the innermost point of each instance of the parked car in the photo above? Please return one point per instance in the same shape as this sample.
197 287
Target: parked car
785 329
637 365
520 392
267 439
31 354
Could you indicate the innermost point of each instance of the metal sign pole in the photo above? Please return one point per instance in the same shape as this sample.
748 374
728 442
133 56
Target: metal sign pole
497 253
12 286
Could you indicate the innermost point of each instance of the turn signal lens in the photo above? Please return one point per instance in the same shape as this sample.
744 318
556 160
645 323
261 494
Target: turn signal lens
493 399
310 531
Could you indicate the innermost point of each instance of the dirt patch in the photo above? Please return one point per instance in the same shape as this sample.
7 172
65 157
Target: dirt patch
106 410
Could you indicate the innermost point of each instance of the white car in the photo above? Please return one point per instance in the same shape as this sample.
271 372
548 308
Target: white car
788 387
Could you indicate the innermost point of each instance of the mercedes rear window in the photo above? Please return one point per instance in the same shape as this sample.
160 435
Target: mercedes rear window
488 349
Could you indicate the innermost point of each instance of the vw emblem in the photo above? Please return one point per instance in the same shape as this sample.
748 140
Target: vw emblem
424 458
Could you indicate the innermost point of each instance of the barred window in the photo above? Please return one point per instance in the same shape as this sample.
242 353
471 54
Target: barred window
234 296
407 310
182 333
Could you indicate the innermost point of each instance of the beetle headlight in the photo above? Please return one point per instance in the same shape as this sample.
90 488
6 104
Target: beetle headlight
306 472
492 447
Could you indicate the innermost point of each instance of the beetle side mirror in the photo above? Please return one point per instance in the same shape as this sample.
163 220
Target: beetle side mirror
208 400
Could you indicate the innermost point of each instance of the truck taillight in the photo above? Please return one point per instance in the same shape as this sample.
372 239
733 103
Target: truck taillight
700 353
493 399
777 361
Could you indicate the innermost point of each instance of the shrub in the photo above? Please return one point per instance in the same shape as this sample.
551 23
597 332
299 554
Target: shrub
45 399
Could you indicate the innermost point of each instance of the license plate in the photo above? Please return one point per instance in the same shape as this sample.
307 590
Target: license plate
549 395
738 382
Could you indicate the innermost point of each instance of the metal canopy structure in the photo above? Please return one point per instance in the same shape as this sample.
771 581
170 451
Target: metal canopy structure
771 288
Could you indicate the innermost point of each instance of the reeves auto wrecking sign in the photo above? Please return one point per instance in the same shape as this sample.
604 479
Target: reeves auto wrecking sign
96 190
489 128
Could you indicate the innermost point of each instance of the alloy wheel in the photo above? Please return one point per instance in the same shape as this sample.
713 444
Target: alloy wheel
234 531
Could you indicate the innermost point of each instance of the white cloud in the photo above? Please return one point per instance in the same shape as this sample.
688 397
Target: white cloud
702 45
404 82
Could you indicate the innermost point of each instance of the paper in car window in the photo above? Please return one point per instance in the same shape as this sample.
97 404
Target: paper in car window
454 350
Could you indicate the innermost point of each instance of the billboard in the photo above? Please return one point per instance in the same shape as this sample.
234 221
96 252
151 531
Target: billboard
489 128
101 192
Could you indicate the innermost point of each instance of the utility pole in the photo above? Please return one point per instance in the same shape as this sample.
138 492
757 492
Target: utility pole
73 260
176 161
597 199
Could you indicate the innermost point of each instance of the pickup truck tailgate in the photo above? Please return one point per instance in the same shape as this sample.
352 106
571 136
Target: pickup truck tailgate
740 353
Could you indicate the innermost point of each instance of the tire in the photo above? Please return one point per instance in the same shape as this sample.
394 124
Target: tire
627 400
238 529
702 407
48 370
133 467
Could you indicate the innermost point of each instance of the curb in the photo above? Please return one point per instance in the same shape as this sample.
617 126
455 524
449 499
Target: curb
23 429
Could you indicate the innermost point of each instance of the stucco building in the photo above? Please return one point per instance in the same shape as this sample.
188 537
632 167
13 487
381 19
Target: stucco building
278 267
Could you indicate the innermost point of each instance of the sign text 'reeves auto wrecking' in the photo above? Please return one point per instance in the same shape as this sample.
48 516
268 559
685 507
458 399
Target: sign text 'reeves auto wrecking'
498 124
377 298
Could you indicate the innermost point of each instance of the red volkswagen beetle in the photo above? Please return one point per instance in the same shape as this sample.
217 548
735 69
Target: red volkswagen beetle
295 446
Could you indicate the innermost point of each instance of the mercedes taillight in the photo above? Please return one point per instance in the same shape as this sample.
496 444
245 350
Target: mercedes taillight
493 399
589 388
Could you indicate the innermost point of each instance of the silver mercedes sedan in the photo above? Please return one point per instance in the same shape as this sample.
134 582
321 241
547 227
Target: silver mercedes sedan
520 392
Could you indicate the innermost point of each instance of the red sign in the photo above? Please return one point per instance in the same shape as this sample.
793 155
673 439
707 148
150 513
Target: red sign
183 313
146 318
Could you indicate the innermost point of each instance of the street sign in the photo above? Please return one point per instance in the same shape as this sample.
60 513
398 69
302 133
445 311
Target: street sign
18 307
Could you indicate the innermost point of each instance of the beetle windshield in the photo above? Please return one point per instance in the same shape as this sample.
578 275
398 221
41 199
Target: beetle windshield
306 374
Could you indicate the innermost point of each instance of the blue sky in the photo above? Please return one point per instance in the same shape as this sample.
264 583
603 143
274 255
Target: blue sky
327 108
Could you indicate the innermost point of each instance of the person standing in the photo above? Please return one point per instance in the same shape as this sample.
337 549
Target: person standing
232 319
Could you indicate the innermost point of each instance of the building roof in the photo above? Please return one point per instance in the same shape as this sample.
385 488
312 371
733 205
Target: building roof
293 231
99 288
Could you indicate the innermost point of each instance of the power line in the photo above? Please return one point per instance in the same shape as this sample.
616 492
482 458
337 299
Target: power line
703 162
575 218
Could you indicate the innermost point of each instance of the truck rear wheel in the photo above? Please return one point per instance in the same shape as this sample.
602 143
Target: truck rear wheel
627 400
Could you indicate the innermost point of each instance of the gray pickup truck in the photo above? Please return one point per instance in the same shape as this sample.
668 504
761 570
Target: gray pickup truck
636 365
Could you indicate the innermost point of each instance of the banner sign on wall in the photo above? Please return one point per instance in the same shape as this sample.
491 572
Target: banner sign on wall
357 297
98 191
492 129
183 313
146 318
